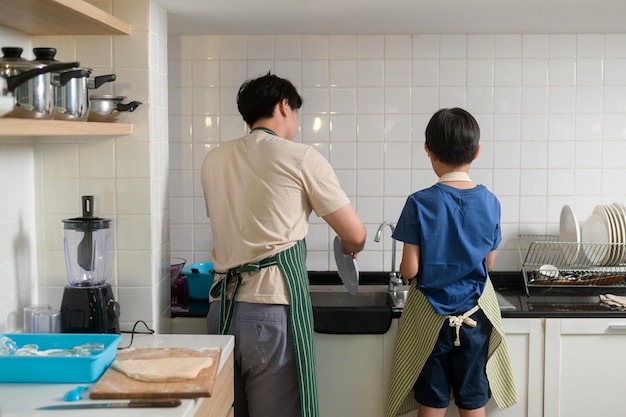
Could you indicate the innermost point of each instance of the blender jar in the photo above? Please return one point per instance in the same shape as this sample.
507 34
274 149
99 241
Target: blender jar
85 242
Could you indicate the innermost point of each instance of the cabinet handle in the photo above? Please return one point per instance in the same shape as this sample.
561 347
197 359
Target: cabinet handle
617 326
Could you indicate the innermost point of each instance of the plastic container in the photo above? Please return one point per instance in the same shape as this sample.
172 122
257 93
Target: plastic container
66 369
199 279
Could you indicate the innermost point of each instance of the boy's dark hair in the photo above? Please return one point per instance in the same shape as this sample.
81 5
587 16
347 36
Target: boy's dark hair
452 136
258 97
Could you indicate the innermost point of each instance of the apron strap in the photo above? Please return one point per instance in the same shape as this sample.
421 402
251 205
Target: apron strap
219 290
292 263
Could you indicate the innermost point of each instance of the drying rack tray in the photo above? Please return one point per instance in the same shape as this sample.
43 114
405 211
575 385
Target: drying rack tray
546 261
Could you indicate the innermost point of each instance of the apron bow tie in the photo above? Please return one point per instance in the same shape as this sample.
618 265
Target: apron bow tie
458 321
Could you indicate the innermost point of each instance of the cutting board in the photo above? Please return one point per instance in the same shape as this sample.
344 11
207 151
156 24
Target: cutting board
116 385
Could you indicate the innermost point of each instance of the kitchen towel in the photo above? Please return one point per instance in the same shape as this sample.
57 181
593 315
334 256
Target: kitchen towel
613 301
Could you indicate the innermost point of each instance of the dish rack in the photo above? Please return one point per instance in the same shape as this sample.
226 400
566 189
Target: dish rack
548 262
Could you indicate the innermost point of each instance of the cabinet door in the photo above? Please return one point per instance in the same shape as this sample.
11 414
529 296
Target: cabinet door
583 367
349 375
525 341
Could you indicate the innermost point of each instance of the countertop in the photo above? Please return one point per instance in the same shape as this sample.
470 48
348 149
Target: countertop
22 399
549 302
539 302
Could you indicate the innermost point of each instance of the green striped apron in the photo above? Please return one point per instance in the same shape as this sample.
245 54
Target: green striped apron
292 264
417 335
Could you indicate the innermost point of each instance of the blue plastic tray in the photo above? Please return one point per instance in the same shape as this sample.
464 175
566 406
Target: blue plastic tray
69 369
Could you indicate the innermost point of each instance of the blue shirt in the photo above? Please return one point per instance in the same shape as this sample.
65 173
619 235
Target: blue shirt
455 230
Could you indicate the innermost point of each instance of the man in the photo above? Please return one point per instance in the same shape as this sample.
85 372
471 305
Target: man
259 191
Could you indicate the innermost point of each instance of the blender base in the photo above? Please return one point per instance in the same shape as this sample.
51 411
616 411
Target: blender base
89 310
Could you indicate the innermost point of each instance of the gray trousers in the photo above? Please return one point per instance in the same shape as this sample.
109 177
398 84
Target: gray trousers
266 380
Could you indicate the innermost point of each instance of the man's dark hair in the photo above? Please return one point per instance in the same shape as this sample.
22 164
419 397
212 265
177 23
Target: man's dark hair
258 97
452 135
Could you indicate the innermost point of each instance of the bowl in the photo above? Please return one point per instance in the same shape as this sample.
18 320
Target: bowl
176 267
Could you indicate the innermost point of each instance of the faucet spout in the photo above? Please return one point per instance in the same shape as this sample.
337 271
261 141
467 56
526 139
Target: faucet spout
377 237
395 279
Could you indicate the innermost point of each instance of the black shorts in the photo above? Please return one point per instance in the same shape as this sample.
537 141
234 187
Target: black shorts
460 370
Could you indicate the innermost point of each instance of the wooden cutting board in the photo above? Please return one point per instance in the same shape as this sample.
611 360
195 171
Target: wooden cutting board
116 385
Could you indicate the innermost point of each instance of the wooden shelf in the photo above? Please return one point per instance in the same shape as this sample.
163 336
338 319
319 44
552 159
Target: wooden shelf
60 17
33 127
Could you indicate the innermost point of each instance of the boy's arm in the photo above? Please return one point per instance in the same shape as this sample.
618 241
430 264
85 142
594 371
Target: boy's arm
409 266
491 258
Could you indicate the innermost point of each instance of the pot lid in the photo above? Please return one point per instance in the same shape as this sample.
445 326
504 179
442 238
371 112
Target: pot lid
13 63
110 97
86 223
45 55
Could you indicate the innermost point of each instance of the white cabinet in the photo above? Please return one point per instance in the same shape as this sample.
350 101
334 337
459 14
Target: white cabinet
526 347
566 367
350 375
354 371
584 364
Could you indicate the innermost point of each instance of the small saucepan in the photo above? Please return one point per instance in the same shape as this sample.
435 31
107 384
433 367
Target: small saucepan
71 91
109 108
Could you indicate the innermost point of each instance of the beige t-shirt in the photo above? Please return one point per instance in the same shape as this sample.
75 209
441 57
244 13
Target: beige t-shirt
259 192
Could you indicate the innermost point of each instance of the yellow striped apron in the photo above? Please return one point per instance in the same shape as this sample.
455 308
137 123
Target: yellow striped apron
417 335
292 264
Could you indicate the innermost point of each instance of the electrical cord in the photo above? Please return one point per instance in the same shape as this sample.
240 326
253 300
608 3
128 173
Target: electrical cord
133 332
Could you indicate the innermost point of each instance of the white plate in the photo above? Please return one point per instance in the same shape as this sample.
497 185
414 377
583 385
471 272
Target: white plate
595 233
616 235
347 268
620 216
569 231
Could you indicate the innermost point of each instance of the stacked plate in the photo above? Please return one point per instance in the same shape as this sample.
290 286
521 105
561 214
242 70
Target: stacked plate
569 232
604 235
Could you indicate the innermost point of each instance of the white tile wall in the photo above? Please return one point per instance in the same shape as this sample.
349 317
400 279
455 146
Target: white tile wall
18 242
45 178
551 109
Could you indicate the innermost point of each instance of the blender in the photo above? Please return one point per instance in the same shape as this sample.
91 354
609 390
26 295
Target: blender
87 305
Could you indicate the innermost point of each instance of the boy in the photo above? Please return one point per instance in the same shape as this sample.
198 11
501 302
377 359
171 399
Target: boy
451 325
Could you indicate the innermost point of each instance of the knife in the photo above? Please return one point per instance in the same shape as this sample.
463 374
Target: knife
125 404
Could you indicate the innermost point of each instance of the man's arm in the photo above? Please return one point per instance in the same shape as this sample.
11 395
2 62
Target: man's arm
349 227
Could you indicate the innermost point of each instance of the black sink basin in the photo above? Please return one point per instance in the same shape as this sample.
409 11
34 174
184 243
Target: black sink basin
332 298
339 312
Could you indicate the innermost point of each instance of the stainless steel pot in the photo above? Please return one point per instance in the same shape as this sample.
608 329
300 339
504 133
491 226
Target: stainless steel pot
72 87
72 99
109 108
30 83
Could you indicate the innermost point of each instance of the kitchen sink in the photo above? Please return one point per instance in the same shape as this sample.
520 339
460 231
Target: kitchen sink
336 311
346 300
369 311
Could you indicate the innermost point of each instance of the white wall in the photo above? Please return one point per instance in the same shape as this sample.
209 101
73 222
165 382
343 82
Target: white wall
18 254
551 109
44 178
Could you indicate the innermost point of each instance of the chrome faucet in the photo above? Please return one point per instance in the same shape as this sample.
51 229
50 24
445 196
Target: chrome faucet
395 280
